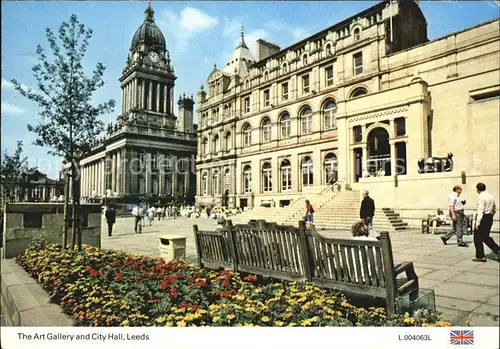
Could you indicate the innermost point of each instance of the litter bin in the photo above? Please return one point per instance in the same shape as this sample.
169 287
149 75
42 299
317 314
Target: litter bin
172 247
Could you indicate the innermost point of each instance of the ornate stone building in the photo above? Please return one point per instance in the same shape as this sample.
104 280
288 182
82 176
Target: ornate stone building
149 152
369 93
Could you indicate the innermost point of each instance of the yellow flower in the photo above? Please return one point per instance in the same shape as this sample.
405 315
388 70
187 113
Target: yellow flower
265 319
216 318
181 323
292 324
279 323
231 316
287 316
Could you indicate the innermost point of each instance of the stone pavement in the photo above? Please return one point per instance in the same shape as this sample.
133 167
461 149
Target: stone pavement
465 290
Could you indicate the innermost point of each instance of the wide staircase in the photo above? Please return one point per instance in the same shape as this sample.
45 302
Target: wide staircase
334 210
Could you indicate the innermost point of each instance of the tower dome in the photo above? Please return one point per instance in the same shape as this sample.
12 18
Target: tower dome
241 59
148 33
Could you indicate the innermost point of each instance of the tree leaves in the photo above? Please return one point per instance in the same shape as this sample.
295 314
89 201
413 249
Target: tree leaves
69 122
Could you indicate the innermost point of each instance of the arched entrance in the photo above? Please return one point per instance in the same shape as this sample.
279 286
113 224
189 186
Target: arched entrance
330 174
379 152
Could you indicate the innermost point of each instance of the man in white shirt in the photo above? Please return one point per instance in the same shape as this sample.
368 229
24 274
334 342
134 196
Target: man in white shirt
136 212
458 225
486 209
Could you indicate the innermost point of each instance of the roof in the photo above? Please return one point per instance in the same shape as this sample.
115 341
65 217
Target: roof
149 33
241 59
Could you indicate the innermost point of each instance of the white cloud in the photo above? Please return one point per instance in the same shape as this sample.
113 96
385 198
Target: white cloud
181 27
297 33
195 20
232 27
6 84
252 37
300 33
10 108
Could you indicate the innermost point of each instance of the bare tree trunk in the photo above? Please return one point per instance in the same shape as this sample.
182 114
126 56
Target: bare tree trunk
73 206
76 199
66 211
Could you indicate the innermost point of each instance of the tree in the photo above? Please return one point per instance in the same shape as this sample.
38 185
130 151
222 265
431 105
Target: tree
69 122
13 174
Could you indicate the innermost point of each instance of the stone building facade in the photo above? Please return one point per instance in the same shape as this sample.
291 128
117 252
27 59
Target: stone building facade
369 93
149 152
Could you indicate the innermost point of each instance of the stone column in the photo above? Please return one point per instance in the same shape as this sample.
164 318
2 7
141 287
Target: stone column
98 177
103 176
148 173
150 101
126 171
392 144
119 172
296 173
165 99
158 94
132 170
171 100
82 182
233 184
123 99
161 174
113 173
198 183
143 87
275 180
364 163
186 183
174 175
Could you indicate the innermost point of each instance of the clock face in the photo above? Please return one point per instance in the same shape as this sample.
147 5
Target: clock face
154 57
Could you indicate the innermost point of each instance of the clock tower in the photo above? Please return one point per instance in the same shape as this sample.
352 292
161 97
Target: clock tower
148 79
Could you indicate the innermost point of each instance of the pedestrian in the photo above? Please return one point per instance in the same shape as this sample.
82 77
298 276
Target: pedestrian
151 215
309 213
158 213
367 210
137 213
486 209
110 219
438 219
458 225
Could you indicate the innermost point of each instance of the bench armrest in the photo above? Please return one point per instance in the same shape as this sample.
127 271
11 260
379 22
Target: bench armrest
403 267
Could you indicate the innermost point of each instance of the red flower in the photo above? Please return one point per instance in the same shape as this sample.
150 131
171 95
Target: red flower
119 276
155 300
225 283
183 305
116 263
161 261
216 293
94 272
88 269
145 275
226 293
138 277
250 278
201 283
194 308
163 285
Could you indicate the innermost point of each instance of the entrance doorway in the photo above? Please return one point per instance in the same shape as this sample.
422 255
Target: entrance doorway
379 152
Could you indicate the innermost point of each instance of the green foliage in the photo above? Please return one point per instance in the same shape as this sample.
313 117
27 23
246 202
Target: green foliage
69 121
13 172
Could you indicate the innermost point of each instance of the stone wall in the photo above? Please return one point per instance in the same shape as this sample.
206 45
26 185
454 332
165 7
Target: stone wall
25 221
24 302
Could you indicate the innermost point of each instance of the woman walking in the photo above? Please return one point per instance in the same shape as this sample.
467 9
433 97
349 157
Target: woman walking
309 213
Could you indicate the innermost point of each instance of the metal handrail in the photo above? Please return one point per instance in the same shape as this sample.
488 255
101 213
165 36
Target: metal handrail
332 186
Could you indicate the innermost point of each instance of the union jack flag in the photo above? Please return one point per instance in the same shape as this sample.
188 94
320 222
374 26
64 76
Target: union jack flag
462 337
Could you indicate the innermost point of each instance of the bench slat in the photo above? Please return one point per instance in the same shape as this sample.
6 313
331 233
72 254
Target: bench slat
373 268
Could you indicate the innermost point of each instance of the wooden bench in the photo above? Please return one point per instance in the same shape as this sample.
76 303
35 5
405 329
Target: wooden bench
444 228
285 252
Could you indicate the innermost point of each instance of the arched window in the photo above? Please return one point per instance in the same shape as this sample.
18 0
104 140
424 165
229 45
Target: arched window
357 34
285 126
307 171
330 169
216 144
358 92
168 185
247 135
306 120
266 76
266 130
286 175
204 184
328 49
227 179
247 84
229 144
247 179
267 184
216 183
329 109
284 68
204 147
304 60
379 152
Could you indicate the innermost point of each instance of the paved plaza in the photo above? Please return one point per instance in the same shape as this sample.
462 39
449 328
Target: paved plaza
465 290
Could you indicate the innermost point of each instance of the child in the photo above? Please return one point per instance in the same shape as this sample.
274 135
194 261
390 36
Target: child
439 219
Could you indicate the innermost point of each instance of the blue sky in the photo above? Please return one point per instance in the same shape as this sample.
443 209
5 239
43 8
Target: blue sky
198 35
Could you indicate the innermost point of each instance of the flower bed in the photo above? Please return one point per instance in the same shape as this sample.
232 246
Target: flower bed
110 288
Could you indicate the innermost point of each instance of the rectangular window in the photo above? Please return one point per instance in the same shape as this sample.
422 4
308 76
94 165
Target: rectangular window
142 159
32 220
400 125
168 186
155 185
284 91
358 63
267 98
358 137
154 161
329 75
305 84
247 181
247 105
36 193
